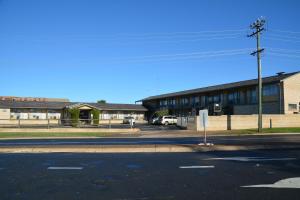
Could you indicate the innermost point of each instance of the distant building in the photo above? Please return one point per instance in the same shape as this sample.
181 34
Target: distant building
40 99
13 109
281 95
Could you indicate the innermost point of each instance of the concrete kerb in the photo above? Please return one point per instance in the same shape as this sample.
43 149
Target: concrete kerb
138 148
69 130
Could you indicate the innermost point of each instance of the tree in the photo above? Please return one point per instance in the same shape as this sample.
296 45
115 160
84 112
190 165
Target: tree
74 116
161 113
102 101
96 114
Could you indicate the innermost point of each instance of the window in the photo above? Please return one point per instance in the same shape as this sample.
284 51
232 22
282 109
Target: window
251 94
171 102
195 100
184 101
234 98
270 90
163 102
216 99
292 107
203 100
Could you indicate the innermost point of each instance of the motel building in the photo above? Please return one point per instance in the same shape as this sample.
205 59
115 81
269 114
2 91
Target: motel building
34 110
281 95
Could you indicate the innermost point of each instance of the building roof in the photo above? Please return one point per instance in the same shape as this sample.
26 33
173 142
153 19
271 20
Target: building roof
61 105
251 82
43 99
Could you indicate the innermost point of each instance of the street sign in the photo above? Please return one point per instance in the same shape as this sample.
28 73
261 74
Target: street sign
203 116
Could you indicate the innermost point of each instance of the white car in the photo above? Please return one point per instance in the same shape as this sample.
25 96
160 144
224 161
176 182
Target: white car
127 120
166 120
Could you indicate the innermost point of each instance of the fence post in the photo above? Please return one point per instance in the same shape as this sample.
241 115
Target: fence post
19 123
271 123
109 123
48 123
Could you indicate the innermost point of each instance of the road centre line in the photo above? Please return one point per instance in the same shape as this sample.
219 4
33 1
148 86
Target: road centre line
65 168
197 167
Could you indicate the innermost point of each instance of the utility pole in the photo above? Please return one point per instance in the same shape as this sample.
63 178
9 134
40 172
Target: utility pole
258 27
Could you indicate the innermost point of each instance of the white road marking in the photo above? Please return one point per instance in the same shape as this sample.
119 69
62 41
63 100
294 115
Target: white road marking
284 183
249 159
197 167
65 168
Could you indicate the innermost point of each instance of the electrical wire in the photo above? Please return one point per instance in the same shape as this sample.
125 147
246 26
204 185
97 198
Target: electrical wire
194 55
284 31
284 55
281 39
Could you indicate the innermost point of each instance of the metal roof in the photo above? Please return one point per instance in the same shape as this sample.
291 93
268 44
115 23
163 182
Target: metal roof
62 105
251 82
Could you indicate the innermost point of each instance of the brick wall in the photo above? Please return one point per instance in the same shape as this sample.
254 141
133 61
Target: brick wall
291 93
232 122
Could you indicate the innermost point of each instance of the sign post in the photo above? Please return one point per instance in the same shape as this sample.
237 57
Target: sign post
203 117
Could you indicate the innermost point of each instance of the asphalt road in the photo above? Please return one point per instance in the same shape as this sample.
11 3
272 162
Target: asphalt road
213 175
229 140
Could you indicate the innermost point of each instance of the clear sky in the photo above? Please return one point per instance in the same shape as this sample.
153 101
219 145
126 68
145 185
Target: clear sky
125 50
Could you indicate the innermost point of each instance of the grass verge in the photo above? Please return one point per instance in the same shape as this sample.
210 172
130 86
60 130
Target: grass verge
54 134
265 130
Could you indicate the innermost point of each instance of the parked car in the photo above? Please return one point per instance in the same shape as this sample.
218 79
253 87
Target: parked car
127 120
155 120
166 120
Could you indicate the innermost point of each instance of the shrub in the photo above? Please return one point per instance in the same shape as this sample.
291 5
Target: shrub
74 112
96 114
161 113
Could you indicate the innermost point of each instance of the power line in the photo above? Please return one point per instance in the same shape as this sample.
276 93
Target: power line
284 55
193 53
282 39
196 53
284 36
284 31
182 33
184 57
289 51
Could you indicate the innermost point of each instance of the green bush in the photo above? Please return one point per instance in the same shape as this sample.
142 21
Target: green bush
96 114
161 113
74 112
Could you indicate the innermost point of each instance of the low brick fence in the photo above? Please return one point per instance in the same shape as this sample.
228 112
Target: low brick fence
232 122
235 122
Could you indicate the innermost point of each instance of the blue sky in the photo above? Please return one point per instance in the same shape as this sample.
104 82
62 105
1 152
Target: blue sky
125 50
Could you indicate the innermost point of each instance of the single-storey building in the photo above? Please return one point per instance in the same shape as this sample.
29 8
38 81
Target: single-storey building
281 95
54 110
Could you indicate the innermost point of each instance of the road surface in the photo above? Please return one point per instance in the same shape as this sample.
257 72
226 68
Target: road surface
211 175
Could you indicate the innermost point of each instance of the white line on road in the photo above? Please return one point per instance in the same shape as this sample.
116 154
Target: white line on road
65 168
197 167
249 159
284 183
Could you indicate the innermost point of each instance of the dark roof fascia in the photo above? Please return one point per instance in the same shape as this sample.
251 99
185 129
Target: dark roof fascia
63 105
221 87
